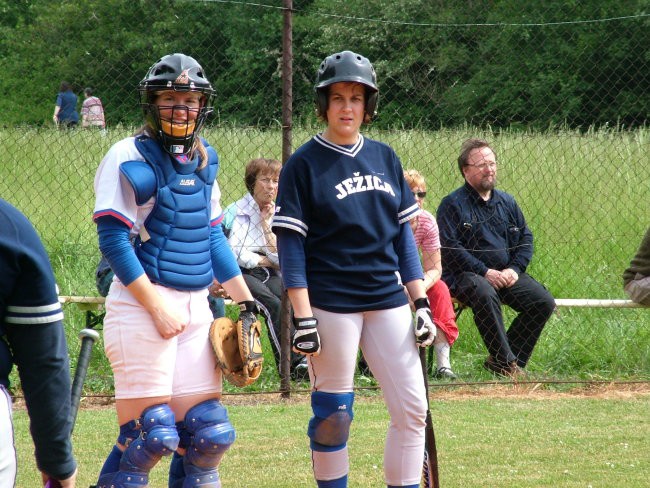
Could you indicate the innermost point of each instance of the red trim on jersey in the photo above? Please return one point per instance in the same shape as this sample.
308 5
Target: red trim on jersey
112 213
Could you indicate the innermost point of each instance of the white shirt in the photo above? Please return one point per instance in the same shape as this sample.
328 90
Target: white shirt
247 235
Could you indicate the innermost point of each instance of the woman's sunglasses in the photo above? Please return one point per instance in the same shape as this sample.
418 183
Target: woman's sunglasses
420 194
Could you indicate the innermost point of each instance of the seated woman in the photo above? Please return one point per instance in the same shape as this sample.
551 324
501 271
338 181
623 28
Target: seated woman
248 227
425 231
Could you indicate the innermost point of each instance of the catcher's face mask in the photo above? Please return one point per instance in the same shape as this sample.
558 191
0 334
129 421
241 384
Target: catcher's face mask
182 77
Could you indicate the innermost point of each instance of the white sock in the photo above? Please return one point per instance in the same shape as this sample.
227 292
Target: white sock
442 348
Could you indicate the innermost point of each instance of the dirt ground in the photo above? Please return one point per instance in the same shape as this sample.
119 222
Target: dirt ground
529 390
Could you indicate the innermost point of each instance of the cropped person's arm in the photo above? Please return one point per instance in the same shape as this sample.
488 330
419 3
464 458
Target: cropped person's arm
33 325
410 268
271 259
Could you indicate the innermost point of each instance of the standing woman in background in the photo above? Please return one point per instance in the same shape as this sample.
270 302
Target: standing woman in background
92 111
346 253
160 189
65 110
427 238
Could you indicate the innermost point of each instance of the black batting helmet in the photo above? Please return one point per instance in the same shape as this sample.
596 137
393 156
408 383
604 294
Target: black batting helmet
180 73
346 66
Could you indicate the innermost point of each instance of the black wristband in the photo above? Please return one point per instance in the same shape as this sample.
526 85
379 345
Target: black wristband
421 303
305 322
248 306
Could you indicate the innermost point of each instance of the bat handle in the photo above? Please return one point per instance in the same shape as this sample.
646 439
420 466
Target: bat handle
88 338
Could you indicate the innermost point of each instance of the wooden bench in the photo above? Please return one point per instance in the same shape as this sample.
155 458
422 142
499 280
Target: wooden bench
92 306
574 303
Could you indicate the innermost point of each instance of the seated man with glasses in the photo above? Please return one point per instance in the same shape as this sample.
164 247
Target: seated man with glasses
486 248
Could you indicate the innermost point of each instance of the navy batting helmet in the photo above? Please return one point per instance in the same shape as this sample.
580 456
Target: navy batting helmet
351 67
181 73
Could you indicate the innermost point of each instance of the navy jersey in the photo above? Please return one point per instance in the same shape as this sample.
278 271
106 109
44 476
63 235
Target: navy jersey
349 203
33 338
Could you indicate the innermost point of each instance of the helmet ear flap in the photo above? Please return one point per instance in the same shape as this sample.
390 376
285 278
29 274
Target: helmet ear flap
371 103
321 102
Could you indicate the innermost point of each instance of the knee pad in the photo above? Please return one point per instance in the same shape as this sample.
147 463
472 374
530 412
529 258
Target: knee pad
157 438
147 439
208 434
329 428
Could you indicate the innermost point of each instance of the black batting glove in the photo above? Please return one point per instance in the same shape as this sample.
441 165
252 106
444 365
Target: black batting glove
305 338
248 311
425 329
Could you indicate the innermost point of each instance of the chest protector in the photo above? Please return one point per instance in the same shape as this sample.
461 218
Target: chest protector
174 244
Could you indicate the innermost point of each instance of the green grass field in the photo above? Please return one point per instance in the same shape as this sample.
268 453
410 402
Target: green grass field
516 437
585 195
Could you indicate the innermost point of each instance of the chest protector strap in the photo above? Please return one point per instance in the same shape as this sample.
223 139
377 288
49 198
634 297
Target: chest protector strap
174 248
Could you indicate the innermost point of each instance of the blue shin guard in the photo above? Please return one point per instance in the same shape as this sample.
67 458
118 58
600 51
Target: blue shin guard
206 434
148 438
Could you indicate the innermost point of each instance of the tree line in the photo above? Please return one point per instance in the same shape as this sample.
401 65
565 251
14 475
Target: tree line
503 63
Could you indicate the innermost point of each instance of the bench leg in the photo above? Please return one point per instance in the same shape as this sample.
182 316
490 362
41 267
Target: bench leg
94 318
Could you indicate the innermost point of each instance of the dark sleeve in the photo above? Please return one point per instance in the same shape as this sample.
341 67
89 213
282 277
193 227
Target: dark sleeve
33 323
292 206
291 251
455 257
41 355
410 268
522 252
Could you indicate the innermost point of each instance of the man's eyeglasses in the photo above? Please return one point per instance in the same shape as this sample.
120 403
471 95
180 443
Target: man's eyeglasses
419 194
483 166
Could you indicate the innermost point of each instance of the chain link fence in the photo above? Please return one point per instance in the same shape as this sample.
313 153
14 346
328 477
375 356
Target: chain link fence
560 90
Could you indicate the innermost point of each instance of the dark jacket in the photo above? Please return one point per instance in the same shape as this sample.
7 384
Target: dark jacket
476 234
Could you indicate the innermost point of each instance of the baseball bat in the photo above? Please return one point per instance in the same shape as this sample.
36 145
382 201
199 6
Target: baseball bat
430 466
88 338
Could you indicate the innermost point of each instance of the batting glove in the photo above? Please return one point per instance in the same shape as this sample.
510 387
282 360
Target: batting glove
305 338
425 329
248 313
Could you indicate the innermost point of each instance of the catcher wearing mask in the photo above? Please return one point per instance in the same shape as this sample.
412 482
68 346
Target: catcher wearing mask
157 212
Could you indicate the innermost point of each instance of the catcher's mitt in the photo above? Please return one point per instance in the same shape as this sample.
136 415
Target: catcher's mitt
238 349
